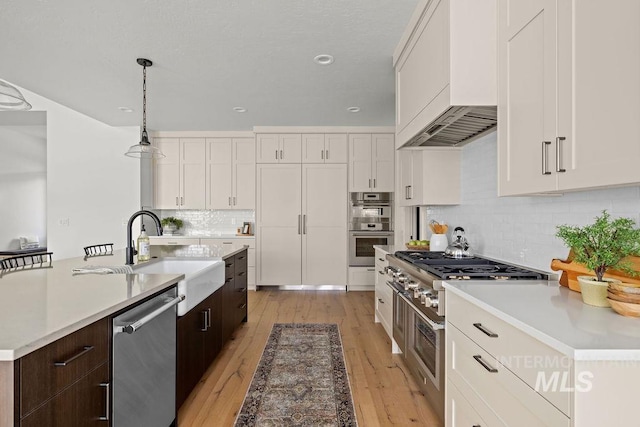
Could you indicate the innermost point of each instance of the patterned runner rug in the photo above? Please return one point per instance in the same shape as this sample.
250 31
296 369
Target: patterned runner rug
300 380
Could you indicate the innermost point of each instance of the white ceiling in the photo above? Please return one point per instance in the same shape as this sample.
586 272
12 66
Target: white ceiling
209 56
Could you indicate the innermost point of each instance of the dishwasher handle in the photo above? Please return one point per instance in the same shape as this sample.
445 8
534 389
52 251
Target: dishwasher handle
134 326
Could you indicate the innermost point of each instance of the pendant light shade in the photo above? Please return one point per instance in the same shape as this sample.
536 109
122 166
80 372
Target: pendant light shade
144 149
11 99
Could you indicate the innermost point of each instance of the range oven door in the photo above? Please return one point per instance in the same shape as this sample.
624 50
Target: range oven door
361 252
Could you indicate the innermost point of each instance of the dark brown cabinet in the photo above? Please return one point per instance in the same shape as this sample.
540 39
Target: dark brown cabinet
235 294
66 383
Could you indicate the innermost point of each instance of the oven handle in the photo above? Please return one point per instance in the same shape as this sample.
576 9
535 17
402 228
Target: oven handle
134 326
433 325
372 233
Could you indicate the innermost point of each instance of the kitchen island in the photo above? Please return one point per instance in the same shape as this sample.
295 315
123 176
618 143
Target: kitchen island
50 314
533 354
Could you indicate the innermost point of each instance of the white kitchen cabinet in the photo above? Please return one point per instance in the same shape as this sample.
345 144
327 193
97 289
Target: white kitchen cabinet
446 57
383 294
302 225
279 148
371 163
567 116
230 173
180 176
429 176
324 148
362 278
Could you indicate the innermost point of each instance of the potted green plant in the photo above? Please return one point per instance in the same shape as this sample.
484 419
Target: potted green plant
171 224
601 246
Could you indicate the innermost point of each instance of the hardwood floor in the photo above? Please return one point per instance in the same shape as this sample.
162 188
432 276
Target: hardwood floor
384 392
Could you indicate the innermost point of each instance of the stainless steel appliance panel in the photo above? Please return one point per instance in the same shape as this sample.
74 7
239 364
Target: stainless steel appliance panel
144 363
361 251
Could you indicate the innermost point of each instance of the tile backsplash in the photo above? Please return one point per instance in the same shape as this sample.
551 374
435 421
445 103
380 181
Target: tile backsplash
210 223
521 229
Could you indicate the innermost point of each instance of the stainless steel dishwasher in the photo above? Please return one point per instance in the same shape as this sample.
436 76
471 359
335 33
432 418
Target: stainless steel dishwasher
144 363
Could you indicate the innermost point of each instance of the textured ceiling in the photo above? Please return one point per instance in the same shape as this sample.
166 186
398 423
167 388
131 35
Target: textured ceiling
209 56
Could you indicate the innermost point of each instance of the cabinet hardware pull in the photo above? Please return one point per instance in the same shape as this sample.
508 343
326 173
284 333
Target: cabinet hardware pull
228 280
86 349
410 188
380 259
281 155
208 318
485 330
242 289
322 154
374 183
484 364
371 269
381 272
476 425
106 400
380 301
327 156
369 182
242 273
304 224
177 204
276 154
234 200
241 257
181 201
545 155
242 306
204 321
228 265
299 224
559 162
229 200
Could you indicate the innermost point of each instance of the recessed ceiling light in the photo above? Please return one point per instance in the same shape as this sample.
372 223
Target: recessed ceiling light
323 59
353 109
239 109
126 109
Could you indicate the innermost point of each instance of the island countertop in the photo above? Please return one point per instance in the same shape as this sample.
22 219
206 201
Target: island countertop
39 306
556 316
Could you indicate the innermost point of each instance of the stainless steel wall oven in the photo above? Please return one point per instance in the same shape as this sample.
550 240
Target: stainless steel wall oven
371 223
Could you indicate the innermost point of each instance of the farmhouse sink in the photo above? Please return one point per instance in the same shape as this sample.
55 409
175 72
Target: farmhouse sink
202 277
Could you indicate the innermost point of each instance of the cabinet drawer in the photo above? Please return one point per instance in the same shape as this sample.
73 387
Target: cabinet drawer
241 262
40 377
531 360
462 413
82 404
384 302
508 396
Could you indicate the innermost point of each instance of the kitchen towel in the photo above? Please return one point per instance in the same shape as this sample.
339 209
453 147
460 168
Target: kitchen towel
97 269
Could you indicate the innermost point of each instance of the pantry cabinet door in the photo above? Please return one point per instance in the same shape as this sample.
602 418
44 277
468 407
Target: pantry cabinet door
244 173
167 174
527 104
219 166
193 173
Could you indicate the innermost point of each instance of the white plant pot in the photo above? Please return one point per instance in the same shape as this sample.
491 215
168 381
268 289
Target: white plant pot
593 292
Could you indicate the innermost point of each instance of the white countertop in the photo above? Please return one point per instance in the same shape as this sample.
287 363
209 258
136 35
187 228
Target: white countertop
213 236
556 316
42 305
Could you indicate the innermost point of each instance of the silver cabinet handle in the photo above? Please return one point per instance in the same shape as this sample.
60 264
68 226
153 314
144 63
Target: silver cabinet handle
229 200
177 204
484 364
181 201
106 400
208 318
380 301
485 331
545 155
327 156
134 326
322 154
205 323
299 224
234 200
371 269
559 162
281 155
86 349
374 183
243 306
369 182
304 224
276 154
381 272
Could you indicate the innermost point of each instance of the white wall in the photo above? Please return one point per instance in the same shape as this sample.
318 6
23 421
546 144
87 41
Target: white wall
90 182
522 229
23 181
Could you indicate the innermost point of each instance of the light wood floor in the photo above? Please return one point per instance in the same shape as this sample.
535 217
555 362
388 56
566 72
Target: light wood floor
384 392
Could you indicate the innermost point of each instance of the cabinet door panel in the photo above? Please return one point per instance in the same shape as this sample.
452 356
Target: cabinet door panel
190 362
313 150
279 256
193 173
244 173
336 147
219 164
167 174
527 101
212 337
383 158
405 174
267 148
360 157
291 146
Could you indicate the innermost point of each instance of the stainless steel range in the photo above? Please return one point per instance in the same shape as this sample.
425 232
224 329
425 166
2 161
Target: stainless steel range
418 307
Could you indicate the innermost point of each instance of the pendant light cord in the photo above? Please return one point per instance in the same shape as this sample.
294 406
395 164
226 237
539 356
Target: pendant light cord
144 99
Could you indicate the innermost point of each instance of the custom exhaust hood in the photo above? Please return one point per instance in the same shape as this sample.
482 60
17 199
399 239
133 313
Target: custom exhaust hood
456 127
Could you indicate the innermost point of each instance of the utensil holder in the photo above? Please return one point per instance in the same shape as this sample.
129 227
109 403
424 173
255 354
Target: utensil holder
438 242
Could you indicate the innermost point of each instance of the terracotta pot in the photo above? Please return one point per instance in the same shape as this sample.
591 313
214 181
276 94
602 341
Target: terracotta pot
593 292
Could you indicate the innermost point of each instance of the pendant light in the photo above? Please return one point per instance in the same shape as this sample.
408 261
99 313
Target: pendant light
11 99
144 149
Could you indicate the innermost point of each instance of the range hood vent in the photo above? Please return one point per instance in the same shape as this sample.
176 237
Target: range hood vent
456 127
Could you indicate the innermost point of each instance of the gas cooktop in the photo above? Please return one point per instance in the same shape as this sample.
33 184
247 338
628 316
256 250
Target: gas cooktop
474 267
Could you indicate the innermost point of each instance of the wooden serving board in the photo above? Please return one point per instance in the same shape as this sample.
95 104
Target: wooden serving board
572 269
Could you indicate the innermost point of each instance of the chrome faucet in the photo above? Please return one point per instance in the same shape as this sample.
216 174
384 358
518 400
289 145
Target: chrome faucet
130 246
